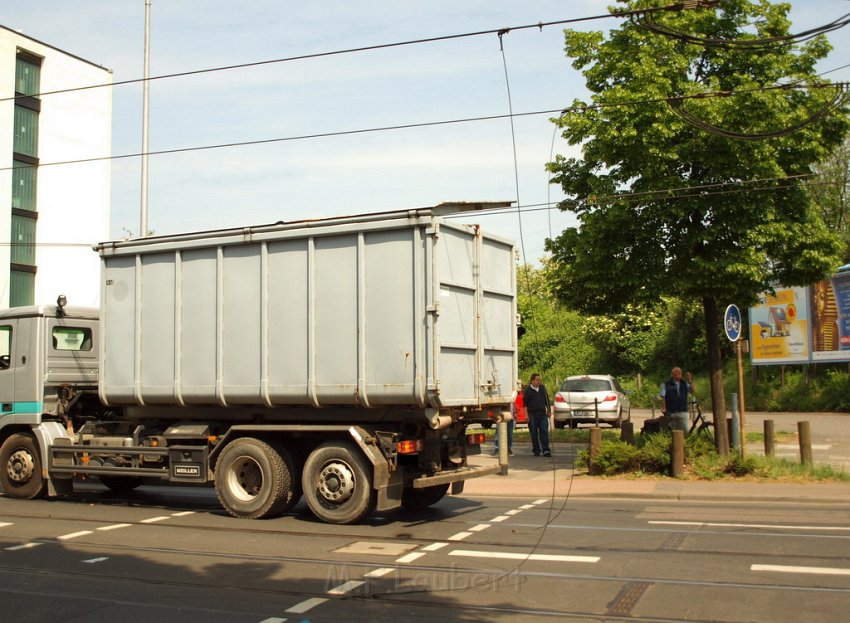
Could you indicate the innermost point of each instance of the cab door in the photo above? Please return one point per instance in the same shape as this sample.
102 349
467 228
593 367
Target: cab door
8 330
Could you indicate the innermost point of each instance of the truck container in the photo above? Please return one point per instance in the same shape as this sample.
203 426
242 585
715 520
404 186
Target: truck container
341 358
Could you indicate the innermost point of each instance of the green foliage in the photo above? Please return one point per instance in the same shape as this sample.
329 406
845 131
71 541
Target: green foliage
615 457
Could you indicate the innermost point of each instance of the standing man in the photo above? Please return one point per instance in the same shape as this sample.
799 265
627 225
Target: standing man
674 399
536 401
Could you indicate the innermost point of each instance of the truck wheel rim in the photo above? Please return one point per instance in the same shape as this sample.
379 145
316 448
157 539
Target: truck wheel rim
21 466
336 482
245 479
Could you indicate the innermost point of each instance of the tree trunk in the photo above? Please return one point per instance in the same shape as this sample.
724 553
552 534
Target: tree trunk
715 368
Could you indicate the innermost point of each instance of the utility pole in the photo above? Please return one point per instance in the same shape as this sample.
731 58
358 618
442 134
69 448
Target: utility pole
143 220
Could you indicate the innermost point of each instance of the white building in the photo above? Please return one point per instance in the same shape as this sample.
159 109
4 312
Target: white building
52 207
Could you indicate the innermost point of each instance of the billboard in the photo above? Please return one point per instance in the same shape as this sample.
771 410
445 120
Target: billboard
803 325
779 327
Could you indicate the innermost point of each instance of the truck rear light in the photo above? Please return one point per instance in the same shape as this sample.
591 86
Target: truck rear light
475 439
409 446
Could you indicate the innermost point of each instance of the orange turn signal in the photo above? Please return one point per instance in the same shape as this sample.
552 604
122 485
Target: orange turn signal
409 446
475 439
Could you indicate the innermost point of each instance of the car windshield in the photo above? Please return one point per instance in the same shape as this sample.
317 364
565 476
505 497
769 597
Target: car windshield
586 385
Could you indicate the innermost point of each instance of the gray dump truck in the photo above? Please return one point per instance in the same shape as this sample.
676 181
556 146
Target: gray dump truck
341 359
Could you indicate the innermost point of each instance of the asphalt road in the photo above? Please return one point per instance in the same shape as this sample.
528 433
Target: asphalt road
171 555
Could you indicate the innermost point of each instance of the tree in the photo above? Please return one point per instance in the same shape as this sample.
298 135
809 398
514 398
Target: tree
830 191
670 204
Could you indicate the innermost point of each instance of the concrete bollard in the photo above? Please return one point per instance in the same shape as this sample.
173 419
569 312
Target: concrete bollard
677 454
595 446
627 432
805 432
769 438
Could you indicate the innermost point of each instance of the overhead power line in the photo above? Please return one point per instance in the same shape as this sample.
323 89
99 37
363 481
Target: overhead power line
679 6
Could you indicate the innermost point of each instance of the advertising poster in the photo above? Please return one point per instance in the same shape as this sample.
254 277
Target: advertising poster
830 337
779 327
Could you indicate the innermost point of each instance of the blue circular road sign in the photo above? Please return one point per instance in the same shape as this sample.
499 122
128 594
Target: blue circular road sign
732 323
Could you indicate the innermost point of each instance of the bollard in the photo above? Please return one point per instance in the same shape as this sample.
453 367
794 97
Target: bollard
734 428
677 454
805 433
627 432
595 446
502 433
768 438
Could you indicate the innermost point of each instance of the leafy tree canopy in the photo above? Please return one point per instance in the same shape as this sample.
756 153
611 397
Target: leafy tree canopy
667 208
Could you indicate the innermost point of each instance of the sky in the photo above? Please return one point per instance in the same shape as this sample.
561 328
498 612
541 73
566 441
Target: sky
460 78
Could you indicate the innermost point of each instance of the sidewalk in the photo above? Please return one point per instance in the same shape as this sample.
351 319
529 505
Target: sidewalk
530 476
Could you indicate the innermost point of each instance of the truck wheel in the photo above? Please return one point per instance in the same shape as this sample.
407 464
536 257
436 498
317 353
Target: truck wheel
418 499
20 468
253 480
337 483
294 464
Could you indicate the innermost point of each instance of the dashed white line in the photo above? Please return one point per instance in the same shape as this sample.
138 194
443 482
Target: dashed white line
273 620
808 570
73 535
184 514
154 519
92 561
24 546
499 518
115 526
3 524
410 557
480 527
511 513
342 589
536 502
306 605
747 525
526 507
434 547
514 556
379 573
459 536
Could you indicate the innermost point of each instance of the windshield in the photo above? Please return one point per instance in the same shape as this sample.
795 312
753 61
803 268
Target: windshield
586 385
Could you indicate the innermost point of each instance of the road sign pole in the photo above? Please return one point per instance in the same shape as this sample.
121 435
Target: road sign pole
740 348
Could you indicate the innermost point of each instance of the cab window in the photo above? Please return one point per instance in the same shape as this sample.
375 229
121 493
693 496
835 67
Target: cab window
5 347
72 338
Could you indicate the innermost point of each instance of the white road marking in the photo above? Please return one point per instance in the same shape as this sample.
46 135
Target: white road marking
154 519
513 512
3 524
379 573
809 570
91 561
536 502
410 557
273 620
115 526
434 547
480 527
306 605
747 525
499 518
342 589
525 507
183 514
459 536
514 556
73 535
24 546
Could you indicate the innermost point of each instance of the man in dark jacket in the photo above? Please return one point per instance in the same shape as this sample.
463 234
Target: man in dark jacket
674 399
536 400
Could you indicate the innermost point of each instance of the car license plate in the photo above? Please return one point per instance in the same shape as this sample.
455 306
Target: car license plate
582 413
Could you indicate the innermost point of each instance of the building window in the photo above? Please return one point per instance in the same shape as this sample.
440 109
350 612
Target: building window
27 74
23 240
26 132
23 185
21 287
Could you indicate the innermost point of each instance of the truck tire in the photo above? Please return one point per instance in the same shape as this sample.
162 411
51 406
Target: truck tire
253 480
295 464
337 483
418 499
20 468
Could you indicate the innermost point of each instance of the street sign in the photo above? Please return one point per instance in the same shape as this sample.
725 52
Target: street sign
732 323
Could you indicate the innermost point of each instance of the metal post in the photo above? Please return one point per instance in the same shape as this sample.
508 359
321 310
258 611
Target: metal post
502 433
677 454
627 432
735 437
743 437
805 432
768 438
143 218
595 446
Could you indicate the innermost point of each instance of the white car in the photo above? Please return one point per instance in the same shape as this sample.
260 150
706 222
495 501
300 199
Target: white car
591 398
